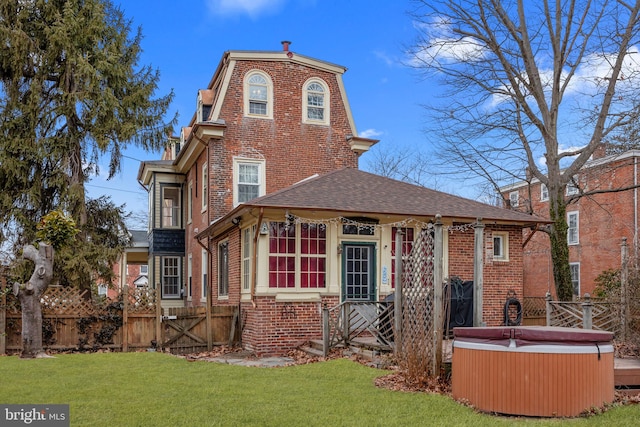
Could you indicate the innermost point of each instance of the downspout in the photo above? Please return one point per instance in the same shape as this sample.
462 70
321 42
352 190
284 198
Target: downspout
254 260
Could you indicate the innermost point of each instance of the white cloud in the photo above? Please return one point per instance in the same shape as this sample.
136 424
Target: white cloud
252 8
370 133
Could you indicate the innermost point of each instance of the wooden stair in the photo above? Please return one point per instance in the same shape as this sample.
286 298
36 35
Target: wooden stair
627 376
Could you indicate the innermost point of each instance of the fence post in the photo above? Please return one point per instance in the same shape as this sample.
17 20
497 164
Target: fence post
587 312
159 340
325 330
3 313
547 299
397 297
437 293
478 278
125 318
346 327
624 287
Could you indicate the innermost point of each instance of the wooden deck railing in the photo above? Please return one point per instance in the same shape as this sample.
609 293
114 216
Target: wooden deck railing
351 320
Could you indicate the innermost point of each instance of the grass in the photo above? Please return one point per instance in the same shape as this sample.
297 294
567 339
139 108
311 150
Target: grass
154 389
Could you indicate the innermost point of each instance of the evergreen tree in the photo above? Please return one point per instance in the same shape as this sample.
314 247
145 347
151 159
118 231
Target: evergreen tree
71 91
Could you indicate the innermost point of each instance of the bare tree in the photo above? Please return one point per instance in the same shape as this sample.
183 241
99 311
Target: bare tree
530 86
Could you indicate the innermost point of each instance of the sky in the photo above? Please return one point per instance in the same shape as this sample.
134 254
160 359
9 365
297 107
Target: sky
186 40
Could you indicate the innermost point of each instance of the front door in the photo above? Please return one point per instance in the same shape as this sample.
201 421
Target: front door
358 267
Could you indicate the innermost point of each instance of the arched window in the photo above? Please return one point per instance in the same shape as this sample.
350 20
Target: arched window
258 95
315 102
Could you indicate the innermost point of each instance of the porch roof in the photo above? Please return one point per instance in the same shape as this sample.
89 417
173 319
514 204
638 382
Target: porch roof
350 190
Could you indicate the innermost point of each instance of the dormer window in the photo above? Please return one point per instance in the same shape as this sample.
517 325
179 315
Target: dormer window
203 107
315 102
258 95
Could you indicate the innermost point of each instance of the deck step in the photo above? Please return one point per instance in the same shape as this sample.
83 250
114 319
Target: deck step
311 351
626 376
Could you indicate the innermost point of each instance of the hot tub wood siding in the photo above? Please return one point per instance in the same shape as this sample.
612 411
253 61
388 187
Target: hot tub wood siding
533 384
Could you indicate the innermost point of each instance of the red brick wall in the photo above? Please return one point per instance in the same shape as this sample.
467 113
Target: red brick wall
499 277
273 328
604 219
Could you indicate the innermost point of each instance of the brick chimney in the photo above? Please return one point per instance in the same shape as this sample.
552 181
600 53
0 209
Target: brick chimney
285 45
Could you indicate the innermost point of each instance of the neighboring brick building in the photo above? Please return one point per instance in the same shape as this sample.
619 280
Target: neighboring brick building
597 223
269 128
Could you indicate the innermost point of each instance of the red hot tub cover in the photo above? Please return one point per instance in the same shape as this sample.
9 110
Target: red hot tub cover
532 335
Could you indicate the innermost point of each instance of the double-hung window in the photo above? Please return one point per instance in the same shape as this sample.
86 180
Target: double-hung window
249 180
204 191
501 246
258 95
573 235
315 103
575 277
247 250
544 193
514 198
171 277
204 266
170 207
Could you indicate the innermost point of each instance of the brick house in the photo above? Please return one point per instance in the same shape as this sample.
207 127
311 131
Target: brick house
597 223
247 206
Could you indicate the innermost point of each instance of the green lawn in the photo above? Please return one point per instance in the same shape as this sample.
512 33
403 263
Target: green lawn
153 389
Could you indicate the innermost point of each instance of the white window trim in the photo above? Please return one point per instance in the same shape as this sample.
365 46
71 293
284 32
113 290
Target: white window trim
270 100
177 209
577 215
190 202
146 267
503 236
247 252
514 202
178 267
204 189
572 188
326 101
575 264
237 161
544 195
204 276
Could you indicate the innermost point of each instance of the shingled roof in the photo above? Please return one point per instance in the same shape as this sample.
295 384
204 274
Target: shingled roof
359 192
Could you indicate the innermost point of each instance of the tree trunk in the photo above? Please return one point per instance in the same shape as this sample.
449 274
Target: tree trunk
560 247
29 295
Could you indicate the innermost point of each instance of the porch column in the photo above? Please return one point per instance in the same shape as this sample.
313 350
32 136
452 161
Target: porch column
397 301
438 252
478 280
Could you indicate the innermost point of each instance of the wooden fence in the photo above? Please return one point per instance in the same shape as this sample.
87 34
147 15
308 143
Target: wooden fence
135 322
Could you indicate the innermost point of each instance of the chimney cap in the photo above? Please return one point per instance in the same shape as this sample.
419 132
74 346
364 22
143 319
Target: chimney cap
285 45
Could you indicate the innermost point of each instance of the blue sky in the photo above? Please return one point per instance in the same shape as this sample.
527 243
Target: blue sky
185 41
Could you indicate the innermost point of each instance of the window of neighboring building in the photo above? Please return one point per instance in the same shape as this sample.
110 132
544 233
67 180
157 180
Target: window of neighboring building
573 230
572 186
144 269
205 187
513 199
189 277
249 180
102 290
544 193
171 207
407 246
171 277
204 265
315 103
258 95
500 246
575 277
190 203
223 268
247 249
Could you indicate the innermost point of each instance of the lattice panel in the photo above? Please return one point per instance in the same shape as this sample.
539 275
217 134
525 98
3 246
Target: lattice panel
566 314
418 348
534 306
66 300
142 300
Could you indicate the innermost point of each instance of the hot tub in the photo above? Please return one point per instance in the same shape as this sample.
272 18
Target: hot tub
532 371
